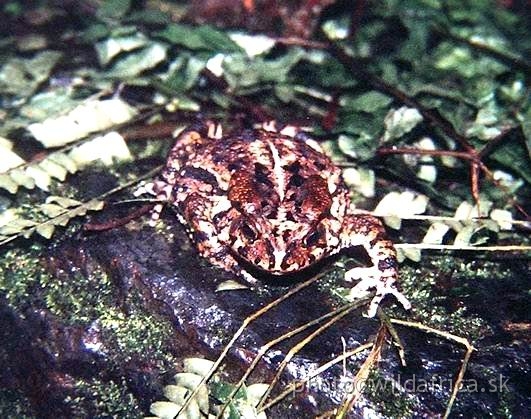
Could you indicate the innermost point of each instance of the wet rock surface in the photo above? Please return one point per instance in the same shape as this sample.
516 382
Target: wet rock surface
179 285
171 282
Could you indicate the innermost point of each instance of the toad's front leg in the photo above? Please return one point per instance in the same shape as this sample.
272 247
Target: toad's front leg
197 213
367 231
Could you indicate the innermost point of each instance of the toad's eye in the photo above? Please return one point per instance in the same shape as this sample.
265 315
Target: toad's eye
248 232
312 238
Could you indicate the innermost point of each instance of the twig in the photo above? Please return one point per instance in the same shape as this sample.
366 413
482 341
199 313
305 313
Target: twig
293 351
423 246
263 350
363 374
434 153
300 42
449 336
475 158
522 223
239 332
386 320
358 11
298 385
158 130
114 223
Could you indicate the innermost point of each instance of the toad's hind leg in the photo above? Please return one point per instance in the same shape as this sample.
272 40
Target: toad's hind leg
188 142
367 231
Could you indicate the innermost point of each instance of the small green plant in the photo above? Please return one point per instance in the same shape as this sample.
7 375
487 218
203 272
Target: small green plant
190 382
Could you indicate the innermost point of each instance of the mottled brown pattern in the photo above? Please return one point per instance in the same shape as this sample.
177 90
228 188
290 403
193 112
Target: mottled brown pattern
274 201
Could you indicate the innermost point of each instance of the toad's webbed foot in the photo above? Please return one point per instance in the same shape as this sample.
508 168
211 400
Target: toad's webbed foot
367 231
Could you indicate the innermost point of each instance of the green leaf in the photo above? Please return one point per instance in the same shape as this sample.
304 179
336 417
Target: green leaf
230 285
14 8
361 179
419 27
222 390
362 132
410 253
45 230
460 59
336 29
63 202
436 233
176 394
255 393
324 71
253 45
199 366
114 9
191 382
111 47
203 37
515 154
53 169
41 178
216 40
7 183
185 73
95 32
90 116
182 35
164 410
46 104
348 146
367 102
188 380
242 72
21 77
94 205
135 63
21 178
151 17
401 121
63 220
63 160
465 235
52 210
9 158
16 226
526 128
